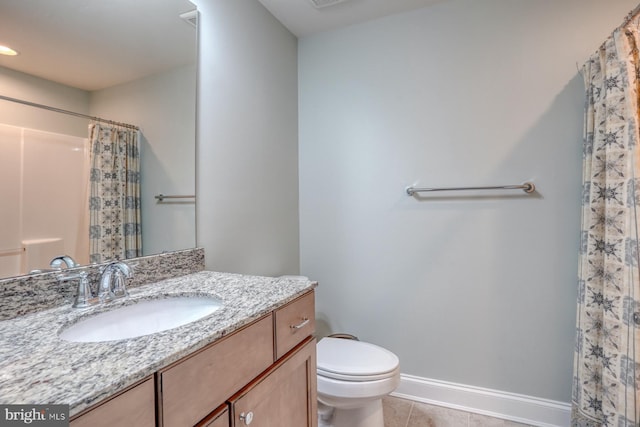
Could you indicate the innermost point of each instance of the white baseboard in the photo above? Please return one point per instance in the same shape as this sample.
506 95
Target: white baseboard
509 406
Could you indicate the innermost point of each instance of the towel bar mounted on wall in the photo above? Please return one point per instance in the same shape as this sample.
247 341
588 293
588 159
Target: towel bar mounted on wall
161 197
527 187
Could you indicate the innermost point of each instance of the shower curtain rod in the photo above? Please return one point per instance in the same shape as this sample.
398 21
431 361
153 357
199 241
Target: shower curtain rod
71 113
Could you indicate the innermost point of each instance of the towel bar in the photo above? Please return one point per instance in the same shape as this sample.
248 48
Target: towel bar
527 187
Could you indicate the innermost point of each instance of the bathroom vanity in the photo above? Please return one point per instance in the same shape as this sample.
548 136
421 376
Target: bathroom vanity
265 372
250 362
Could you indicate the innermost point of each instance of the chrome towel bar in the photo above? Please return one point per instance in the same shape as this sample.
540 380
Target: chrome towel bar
527 187
161 197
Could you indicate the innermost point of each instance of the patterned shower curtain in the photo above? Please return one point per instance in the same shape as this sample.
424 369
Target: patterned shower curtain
114 202
606 382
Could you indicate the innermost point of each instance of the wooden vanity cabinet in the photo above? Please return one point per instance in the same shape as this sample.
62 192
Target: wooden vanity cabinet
284 396
134 406
263 374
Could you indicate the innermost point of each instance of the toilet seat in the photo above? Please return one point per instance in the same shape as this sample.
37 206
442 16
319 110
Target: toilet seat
350 360
343 377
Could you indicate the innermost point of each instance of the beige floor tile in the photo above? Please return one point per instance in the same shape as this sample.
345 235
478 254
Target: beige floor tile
476 420
396 411
423 415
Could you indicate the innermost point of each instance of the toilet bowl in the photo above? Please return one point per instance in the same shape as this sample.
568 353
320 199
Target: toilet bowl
353 377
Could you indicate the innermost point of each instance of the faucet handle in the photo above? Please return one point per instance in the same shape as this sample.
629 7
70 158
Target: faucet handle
84 296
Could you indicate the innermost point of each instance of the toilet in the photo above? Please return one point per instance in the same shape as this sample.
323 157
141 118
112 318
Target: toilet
353 377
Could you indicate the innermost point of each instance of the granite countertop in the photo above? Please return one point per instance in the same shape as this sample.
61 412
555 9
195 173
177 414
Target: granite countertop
37 367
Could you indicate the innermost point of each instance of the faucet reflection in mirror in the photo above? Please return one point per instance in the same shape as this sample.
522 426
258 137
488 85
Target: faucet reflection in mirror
66 260
114 203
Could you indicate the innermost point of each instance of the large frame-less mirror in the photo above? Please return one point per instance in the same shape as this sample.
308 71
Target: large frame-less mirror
128 61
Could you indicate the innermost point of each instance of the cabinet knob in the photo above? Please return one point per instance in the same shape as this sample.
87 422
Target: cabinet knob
247 418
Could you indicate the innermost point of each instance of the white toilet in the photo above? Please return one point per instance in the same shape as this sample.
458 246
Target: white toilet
353 376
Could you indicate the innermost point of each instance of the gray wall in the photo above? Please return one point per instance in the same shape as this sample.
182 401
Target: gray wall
473 290
247 179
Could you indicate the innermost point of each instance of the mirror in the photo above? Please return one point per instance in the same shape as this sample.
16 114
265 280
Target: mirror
130 62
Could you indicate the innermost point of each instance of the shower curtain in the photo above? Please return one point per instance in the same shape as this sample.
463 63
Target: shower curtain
114 201
606 382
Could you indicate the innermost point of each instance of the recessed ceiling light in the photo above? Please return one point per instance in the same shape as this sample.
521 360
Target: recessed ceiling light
5 50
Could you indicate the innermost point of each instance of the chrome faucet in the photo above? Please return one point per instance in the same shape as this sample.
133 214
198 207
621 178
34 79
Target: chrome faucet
57 262
112 284
113 281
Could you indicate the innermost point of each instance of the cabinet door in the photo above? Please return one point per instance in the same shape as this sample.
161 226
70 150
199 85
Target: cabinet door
285 396
199 383
133 407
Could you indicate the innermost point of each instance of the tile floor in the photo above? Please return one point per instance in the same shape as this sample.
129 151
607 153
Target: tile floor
406 413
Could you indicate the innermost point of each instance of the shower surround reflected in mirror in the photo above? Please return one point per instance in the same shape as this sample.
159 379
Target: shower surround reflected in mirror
144 75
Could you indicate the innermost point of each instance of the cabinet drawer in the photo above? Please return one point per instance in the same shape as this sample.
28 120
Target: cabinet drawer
294 322
193 387
134 407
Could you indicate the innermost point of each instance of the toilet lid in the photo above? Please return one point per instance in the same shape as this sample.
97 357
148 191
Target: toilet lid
340 358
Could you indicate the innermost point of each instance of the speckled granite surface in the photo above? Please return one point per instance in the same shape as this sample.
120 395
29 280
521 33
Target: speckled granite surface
27 294
38 367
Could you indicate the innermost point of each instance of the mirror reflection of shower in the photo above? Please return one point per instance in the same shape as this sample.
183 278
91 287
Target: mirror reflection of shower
43 178
108 77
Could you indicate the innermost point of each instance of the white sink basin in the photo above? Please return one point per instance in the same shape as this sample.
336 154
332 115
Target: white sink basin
143 318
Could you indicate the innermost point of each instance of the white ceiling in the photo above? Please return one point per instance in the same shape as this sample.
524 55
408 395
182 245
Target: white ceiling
91 44
302 18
